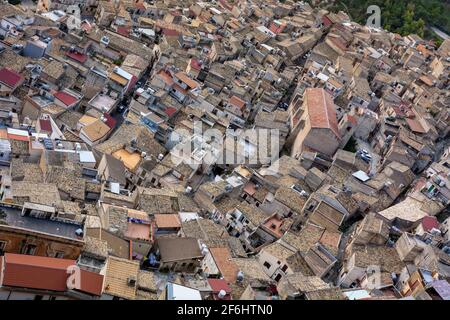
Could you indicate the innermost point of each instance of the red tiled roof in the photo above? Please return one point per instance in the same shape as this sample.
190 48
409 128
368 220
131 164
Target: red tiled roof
183 77
275 28
226 266
65 98
167 221
36 272
132 83
235 101
415 125
321 110
326 21
46 125
219 284
195 64
170 111
46 273
9 77
339 42
170 32
91 282
166 78
250 188
340 27
80 57
400 110
429 223
178 88
427 80
125 31
110 121
18 137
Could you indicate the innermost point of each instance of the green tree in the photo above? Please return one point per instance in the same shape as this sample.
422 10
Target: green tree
351 145
402 16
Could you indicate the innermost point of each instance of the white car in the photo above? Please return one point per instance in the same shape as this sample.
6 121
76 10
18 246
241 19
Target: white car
365 151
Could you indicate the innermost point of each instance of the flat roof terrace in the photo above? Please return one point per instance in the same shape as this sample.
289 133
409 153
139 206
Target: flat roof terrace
103 103
52 227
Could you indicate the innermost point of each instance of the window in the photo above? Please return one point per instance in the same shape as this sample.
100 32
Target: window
284 268
2 247
59 254
29 249
267 265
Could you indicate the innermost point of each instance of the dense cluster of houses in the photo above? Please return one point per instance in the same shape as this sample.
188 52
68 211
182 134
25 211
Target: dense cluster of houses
350 201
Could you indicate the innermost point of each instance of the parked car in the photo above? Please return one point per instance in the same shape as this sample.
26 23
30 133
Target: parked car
283 106
364 151
366 158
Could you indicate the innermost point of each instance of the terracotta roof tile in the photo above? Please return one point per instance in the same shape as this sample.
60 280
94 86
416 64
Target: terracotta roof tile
22 270
321 110
235 101
415 125
110 121
167 221
45 125
46 273
170 32
188 81
166 78
10 78
224 262
79 57
219 284
91 282
117 274
429 223
65 98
